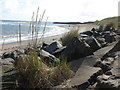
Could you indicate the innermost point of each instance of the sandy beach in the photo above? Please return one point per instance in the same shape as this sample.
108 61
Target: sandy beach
13 46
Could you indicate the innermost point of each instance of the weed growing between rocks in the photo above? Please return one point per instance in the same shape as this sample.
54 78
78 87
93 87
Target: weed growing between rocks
36 74
69 36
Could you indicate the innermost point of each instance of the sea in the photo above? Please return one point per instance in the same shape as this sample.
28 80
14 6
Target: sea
10 29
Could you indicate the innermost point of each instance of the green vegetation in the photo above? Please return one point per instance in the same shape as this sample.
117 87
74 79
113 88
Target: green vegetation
36 74
114 20
69 36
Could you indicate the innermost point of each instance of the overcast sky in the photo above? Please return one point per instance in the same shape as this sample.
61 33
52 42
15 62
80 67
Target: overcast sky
59 10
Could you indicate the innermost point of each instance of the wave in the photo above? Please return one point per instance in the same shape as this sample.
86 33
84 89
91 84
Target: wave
54 30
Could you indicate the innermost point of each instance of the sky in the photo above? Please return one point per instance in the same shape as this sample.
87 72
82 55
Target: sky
59 10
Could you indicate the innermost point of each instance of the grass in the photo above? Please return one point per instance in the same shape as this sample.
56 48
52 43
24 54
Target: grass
36 74
34 28
20 34
106 21
66 39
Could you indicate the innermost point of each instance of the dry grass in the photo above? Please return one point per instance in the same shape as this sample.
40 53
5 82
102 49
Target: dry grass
69 36
35 25
36 74
106 21
61 73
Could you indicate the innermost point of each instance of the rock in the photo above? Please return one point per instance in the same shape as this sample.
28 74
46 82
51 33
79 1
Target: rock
93 79
115 48
83 35
93 29
82 86
76 49
103 66
101 40
96 34
117 37
58 52
47 56
108 73
7 64
84 77
117 32
44 45
89 33
7 55
93 43
6 61
9 74
12 55
109 38
106 33
113 71
107 82
15 54
53 47
113 52
108 61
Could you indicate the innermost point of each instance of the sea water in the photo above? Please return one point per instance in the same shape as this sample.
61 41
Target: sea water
9 30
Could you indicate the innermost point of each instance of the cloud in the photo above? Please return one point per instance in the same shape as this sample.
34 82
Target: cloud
18 9
80 10
60 10
10 5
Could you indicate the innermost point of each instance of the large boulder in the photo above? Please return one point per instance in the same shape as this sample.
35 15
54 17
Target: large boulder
109 38
9 74
93 43
84 77
115 48
47 57
13 54
53 47
76 49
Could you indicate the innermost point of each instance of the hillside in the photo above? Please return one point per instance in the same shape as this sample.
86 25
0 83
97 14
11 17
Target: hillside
114 20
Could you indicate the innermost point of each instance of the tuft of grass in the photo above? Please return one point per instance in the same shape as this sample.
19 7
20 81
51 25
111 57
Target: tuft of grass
109 26
20 34
66 39
33 71
35 26
61 73
36 74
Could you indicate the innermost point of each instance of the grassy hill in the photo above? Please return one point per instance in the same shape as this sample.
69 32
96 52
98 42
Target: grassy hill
114 20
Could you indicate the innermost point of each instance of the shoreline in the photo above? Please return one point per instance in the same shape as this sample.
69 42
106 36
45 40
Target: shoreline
16 45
